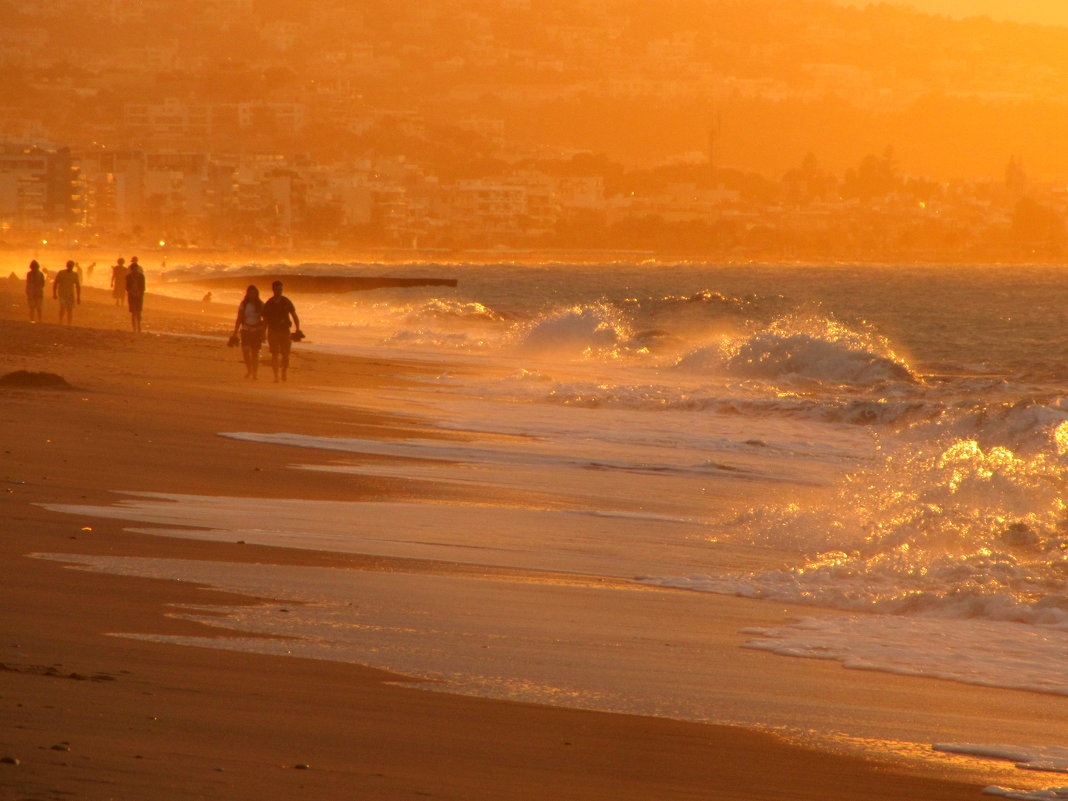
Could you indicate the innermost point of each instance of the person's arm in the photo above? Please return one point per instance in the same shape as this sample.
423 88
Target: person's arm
237 322
55 288
78 288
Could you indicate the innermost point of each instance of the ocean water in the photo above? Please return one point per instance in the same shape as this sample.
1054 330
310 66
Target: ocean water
880 450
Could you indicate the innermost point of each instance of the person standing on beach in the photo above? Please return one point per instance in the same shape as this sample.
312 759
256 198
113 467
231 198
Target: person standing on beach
135 293
277 312
118 281
35 286
67 288
250 324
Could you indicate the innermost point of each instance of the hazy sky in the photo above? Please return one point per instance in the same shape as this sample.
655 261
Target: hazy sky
1049 12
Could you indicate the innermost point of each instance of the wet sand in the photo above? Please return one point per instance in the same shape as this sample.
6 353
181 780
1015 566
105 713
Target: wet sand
90 716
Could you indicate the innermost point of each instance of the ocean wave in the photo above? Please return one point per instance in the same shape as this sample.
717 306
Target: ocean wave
451 311
1026 425
707 302
946 527
877 412
598 329
804 348
437 339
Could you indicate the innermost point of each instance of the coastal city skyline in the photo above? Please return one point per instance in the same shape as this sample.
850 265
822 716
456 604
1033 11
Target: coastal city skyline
772 128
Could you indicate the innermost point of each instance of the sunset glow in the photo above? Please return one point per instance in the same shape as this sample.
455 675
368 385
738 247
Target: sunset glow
642 400
695 128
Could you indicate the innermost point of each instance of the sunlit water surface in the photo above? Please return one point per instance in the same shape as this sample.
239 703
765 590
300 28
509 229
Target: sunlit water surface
882 447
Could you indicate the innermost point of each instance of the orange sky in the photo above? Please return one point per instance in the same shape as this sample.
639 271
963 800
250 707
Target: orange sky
1048 12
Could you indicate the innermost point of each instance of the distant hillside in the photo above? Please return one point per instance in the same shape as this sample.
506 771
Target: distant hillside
462 85
1041 12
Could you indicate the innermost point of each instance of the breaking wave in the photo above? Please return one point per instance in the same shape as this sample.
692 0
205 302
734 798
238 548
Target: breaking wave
952 527
576 331
804 348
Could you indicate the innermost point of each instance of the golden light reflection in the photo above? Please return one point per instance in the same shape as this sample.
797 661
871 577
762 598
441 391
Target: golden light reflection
1060 438
967 768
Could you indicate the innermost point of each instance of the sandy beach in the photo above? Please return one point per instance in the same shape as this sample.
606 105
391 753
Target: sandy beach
92 716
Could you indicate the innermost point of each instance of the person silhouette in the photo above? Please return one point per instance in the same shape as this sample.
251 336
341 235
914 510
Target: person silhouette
67 289
250 323
118 281
35 286
277 312
135 293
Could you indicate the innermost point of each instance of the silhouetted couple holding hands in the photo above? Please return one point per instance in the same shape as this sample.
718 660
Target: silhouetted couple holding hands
274 318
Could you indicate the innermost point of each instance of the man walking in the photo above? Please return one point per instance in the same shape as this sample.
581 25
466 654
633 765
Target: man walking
277 312
67 288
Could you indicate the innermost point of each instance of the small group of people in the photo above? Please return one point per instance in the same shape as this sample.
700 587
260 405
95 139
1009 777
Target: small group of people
128 283
67 289
272 318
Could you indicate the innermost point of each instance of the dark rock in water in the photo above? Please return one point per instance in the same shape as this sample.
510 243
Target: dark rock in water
27 379
10 760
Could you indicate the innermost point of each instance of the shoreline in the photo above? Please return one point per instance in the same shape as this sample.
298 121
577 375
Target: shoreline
17 257
147 720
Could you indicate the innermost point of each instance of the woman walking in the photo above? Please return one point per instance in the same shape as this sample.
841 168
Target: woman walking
251 326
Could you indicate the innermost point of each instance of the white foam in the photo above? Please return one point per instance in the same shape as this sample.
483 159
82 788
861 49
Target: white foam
576 643
1051 794
1029 757
1052 759
617 544
980 652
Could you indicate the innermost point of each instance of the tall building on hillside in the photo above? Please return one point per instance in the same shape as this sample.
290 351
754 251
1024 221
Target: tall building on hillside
39 188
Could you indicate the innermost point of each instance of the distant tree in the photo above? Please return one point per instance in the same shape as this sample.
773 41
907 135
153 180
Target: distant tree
876 176
1015 177
809 182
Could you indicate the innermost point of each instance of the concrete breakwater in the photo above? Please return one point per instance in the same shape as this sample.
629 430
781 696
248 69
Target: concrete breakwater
316 284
